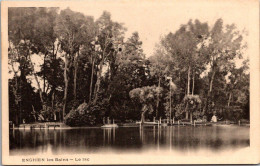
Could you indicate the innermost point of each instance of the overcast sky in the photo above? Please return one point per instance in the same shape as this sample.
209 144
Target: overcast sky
153 19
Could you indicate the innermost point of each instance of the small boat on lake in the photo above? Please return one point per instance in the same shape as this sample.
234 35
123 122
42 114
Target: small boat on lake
147 123
109 126
164 124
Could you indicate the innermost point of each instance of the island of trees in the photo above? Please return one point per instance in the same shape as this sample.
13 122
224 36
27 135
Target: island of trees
68 67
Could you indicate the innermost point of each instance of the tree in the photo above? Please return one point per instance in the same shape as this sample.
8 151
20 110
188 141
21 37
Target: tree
30 38
67 63
159 68
237 88
72 33
182 47
182 54
45 44
18 57
146 97
224 45
129 73
108 36
192 103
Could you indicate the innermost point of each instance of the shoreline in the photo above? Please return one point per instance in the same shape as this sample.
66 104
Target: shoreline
59 125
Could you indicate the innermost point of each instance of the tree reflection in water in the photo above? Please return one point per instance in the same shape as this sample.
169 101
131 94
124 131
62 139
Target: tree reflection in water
127 139
108 138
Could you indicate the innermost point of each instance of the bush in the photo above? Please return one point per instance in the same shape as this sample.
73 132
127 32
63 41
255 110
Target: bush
82 116
179 111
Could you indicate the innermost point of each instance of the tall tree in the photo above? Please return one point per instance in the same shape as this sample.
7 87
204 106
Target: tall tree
71 29
224 45
183 48
129 73
31 38
160 67
109 34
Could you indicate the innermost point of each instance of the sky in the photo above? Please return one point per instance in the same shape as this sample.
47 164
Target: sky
154 19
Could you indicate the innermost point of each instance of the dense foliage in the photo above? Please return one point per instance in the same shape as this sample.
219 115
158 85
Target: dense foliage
81 116
146 97
66 66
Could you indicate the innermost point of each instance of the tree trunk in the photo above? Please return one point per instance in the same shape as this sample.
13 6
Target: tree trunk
193 82
44 74
17 118
211 81
170 101
142 117
179 76
187 115
124 111
109 72
188 84
158 98
188 92
52 99
75 76
66 87
40 90
15 89
210 89
38 84
97 86
91 81
144 109
34 112
186 111
191 117
52 105
229 99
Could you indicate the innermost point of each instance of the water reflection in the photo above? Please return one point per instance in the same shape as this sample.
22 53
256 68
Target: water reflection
125 139
109 136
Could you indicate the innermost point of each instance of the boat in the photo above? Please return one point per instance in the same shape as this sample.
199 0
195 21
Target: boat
148 123
164 124
109 126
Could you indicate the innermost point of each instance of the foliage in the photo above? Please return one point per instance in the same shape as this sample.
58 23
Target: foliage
81 116
192 100
87 70
146 97
197 56
145 94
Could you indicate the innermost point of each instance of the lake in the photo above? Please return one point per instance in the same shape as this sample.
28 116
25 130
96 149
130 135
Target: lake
180 139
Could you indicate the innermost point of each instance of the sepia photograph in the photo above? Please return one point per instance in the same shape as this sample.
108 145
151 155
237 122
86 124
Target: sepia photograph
130 82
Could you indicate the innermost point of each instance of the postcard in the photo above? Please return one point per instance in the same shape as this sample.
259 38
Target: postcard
130 82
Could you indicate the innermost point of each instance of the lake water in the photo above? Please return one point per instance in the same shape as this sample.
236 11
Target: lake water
128 139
